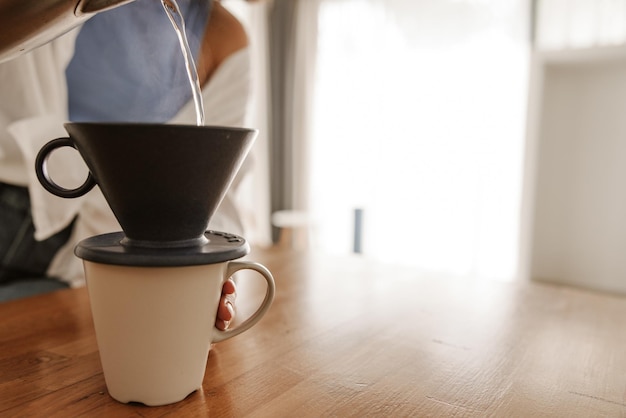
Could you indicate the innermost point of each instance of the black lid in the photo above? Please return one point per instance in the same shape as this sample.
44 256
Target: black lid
108 249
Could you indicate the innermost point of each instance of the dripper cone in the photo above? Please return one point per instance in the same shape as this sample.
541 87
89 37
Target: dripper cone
162 182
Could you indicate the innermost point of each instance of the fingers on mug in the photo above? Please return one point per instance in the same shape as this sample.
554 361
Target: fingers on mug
41 168
233 267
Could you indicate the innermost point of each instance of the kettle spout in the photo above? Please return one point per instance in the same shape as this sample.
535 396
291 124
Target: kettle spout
94 6
27 24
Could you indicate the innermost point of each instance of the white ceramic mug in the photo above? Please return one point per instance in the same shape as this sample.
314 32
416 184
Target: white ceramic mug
155 325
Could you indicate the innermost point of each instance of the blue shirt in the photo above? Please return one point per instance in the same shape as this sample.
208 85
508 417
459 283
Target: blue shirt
128 65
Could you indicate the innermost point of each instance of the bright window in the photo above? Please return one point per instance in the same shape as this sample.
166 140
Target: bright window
419 120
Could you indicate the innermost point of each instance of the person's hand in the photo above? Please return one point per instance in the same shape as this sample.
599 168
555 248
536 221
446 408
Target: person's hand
226 307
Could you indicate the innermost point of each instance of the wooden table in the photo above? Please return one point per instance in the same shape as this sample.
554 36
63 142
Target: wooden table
346 337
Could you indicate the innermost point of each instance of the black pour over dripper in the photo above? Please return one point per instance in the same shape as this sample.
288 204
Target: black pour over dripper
162 182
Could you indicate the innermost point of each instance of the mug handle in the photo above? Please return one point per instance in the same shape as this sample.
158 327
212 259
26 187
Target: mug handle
41 168
233 267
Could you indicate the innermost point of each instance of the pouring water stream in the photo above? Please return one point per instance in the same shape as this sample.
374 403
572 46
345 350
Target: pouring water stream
178 22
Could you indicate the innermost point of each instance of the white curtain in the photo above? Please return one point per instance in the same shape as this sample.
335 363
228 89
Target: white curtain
418 120
305 58
565 24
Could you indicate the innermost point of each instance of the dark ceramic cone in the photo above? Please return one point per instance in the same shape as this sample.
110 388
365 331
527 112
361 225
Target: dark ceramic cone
163 182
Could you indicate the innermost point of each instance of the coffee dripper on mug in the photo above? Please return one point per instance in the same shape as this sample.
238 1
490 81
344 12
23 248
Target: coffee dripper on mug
154 286
27 24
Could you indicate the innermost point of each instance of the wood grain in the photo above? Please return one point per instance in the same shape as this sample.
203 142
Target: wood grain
349 338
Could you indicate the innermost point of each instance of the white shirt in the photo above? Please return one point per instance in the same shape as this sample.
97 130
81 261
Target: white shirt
33 108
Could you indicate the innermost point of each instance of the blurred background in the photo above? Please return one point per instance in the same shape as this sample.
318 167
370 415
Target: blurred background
474 138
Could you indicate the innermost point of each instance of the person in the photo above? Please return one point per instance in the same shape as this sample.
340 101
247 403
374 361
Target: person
121 65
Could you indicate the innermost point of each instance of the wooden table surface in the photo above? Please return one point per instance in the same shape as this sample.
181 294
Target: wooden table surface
346 337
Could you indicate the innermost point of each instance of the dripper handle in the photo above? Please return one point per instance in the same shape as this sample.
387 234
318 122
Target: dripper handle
41 168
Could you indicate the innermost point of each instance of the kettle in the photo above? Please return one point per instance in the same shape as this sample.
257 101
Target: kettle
27 24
